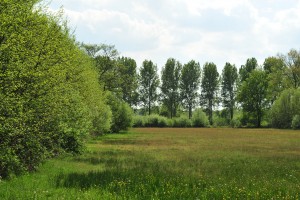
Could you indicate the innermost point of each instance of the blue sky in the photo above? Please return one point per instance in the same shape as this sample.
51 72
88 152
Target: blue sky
216 31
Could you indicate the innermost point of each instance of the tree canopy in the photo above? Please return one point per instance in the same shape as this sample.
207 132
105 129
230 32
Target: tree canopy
190 84
170 77
209 86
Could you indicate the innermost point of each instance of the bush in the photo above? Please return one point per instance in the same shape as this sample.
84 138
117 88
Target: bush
235 123
153 120
156 121
182 122
138 121
199 118
122 114
296 122
284 108
220 121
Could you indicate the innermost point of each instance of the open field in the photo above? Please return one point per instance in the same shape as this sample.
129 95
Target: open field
172 163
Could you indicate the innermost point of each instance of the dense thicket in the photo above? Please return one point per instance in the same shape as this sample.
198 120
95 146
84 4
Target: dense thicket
49 93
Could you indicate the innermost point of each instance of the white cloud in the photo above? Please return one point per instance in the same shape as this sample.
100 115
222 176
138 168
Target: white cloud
215 31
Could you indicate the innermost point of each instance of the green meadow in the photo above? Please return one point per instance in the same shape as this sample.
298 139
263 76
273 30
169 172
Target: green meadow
171 163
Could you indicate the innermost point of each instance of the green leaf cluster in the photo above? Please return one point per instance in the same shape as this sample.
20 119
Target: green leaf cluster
49 93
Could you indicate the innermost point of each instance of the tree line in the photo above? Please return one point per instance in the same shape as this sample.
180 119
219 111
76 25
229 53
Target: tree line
54 91
255 93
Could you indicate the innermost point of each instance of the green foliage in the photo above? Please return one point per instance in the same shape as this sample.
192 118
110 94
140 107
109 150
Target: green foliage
160 121
49 93
122 114
253 96
170 77
182 122
292 61
129 80
220 121
235 123
199 119
209 88
277 81
148 84
245 70
229 79
285 108
155 121
138 121
104 58
189 85
296 122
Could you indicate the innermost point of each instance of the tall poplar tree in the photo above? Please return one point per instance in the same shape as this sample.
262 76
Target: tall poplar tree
229 78
129 80
170 78
148 84
189 85
209 88
246 69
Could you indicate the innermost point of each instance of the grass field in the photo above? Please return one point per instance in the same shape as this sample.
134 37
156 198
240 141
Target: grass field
172 163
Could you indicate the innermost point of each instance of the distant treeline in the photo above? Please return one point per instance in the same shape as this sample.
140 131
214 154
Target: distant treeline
55 91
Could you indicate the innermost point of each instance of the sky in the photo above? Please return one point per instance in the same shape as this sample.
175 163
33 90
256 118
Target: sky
216 31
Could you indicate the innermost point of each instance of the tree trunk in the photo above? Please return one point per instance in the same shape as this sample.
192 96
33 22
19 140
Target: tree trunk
258 119
210 111
149 106
190 111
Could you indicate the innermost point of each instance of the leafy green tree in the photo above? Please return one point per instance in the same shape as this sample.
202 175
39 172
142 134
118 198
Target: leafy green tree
209 86
129 82
189 85
170 77
148 84
245 70
292 61
253 95
47 89
122 114
285 108
276 75
105 58
229 79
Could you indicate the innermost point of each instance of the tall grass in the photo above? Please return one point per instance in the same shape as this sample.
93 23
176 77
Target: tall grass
153 163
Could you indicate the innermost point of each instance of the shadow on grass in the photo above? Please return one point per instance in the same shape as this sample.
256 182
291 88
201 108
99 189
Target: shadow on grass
107 158
136 182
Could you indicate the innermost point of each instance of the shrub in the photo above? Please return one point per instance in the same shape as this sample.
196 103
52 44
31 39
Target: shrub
284 108
122 114
220 121
155 121
296 122
235 123
199 118
182 122
138 121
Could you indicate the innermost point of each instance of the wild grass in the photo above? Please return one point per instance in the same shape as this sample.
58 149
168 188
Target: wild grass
171 163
